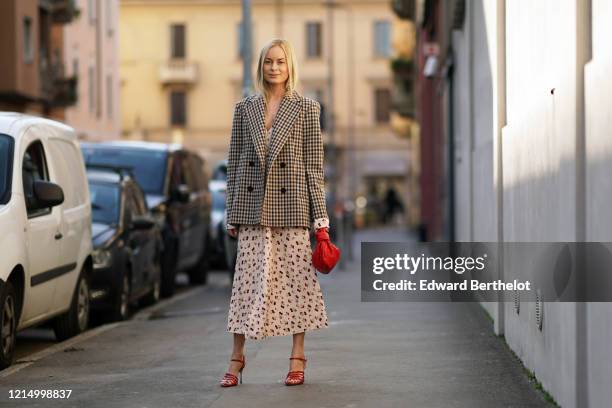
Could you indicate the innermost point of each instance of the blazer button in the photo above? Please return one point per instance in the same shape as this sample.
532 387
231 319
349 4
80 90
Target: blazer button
283 164
251 163
283 190
250 188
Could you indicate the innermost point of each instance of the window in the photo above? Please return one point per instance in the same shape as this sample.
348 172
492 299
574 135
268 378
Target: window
34 168
109 96
28 54
178 107
313 40
382 39
382 104
91 11
91 83
6 168
177 40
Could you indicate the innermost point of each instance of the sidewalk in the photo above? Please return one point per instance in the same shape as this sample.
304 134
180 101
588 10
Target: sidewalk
372 355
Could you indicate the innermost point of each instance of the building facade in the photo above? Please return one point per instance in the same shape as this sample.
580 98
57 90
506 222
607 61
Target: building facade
91 53
32 75
181 73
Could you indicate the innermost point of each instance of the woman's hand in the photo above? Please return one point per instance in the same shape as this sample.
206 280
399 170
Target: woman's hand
232 232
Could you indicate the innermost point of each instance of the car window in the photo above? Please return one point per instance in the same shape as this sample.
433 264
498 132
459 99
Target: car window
220 172
218 200
68 172
105 203
179 174
197 165
34 168
138 199
6 167
149 166
187 174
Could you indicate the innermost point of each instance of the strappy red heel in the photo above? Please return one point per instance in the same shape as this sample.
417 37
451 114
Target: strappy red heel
229 379
295 377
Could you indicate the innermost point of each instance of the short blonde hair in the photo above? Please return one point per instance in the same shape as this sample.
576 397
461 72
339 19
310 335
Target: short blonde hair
261 85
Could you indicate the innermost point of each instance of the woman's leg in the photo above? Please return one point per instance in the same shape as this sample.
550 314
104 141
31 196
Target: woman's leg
297 351
237 353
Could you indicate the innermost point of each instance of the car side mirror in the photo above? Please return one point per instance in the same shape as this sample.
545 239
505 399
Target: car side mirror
182 193
47 194
142 222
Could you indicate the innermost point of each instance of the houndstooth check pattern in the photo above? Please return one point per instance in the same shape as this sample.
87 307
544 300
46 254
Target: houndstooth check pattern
280 185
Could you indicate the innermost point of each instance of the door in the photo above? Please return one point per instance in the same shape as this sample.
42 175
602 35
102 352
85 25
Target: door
75 221
148 240
184 214
43 235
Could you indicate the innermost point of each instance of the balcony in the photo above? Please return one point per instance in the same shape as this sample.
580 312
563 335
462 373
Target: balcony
178 72
57 90
61 11
405 9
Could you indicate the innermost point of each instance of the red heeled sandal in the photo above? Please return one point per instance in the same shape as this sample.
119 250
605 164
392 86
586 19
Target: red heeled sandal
295 377
229 379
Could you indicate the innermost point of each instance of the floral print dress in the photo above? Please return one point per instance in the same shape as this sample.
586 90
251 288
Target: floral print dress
275 290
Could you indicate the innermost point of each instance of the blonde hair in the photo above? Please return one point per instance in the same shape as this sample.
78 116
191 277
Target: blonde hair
261 85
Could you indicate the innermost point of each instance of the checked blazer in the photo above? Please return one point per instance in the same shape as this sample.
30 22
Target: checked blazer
281 186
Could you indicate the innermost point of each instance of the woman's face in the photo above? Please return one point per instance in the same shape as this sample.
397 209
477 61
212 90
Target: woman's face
275 66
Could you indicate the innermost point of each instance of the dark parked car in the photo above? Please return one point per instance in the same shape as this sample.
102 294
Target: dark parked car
217 228
127 243
176 189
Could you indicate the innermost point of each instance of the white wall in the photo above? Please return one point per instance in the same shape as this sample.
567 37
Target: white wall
554 121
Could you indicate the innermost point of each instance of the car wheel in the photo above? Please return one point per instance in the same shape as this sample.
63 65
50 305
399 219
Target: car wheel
121 307
76 319
168 269
198 275
8 321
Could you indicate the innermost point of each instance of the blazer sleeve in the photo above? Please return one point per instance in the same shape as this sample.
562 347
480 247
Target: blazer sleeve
313 162
232 160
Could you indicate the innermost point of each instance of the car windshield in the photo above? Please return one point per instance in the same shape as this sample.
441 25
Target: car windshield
149 166
105 203
6 147
218 200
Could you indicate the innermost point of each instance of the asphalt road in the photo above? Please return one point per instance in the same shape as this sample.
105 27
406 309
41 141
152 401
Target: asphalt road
372 355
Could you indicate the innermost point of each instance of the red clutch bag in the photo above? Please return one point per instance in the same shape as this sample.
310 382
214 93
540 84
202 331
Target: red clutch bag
325 255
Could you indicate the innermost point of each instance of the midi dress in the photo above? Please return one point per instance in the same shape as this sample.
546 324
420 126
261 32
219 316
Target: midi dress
275 291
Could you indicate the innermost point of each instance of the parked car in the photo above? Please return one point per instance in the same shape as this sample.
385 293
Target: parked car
220 171
176 191
127 243
45 219
230 249
217 228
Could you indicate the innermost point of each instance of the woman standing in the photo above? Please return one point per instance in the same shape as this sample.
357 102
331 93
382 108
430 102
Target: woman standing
275 193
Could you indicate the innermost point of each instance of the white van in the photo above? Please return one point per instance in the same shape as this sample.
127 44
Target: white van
45 224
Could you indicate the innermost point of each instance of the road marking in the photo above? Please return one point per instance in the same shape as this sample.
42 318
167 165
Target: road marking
141 315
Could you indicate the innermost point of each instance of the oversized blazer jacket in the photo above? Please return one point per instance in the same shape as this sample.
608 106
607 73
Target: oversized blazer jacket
283 188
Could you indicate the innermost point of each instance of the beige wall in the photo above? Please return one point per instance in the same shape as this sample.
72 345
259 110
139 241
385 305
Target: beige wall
94 44
212 43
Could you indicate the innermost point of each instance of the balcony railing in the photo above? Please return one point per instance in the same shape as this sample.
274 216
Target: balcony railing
57 90
178 72
405 9
62 11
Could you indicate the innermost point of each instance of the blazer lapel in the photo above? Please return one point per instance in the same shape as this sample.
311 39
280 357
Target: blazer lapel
287 113
255 117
